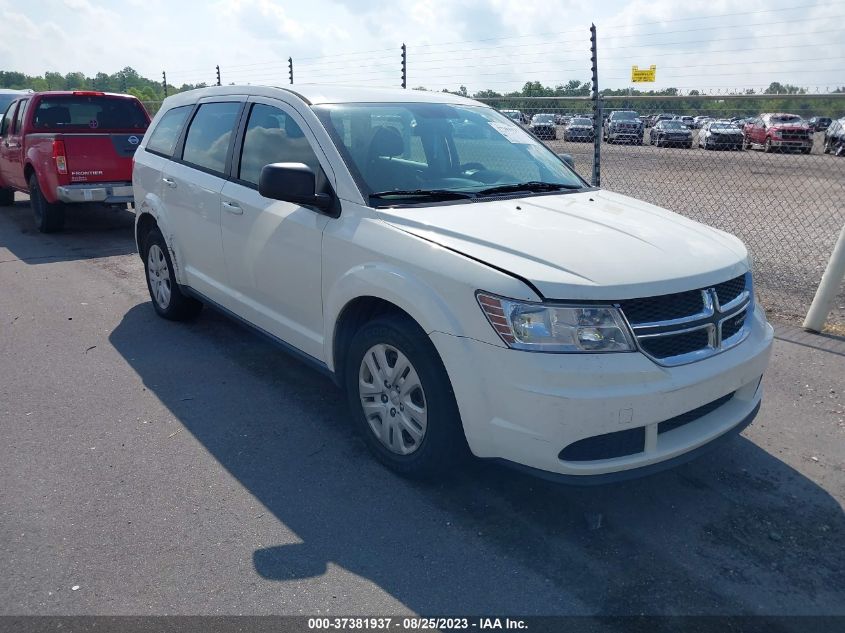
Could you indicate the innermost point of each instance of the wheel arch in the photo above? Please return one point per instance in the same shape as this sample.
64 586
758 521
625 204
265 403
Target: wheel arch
371 290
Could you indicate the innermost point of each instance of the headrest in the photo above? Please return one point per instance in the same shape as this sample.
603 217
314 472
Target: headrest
54 116
386 141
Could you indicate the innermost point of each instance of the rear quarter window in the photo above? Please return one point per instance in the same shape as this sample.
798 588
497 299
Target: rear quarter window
88 113
164 137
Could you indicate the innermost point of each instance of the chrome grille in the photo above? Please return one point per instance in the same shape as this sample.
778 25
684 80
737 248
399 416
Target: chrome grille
683 327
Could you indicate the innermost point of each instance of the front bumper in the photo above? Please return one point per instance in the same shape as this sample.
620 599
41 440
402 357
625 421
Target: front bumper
107 192
792 143
624 134
526 407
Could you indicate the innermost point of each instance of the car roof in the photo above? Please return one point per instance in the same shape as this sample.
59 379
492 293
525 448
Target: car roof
316 94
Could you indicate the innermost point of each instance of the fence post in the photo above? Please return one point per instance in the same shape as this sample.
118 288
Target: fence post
218 74
828 287
404 66
290 69
164 82
597 109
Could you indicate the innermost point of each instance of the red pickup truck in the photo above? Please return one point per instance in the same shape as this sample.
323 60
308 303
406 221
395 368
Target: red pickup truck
69 147
779 131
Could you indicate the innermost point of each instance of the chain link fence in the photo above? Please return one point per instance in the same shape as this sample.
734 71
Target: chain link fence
783 195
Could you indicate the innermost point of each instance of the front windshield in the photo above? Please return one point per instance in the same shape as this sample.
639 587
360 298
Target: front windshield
624 116
582 122
786 118
542 118
722 126
423 147
672 125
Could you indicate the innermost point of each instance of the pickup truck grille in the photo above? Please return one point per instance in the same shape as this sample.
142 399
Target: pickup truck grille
790 135
684 327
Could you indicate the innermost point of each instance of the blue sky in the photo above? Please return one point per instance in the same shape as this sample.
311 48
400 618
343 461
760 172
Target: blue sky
497 44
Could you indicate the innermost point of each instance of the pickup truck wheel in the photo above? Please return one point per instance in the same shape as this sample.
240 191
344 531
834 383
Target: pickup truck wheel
768 146
401 398
49 216
168 300
7 197
746 144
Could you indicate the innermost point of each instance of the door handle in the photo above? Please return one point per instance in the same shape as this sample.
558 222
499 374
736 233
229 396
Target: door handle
233 208
170 183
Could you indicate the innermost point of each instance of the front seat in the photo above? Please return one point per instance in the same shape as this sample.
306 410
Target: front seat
385 145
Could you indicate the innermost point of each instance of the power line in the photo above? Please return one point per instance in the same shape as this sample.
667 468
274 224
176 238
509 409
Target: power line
584 29
716 39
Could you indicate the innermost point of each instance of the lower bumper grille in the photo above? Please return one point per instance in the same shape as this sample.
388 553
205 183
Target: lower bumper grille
632 441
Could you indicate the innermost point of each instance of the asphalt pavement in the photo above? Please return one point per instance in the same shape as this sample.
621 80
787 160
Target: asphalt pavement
150 467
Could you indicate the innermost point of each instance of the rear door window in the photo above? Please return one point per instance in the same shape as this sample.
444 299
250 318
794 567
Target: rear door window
166 133
19 117
89 113
210 135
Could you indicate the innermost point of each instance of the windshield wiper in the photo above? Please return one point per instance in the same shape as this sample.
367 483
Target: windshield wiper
428 194
532 185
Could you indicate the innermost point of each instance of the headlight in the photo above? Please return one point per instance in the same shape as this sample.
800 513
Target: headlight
557 328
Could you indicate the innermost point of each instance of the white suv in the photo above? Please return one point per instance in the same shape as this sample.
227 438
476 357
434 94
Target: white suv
459 281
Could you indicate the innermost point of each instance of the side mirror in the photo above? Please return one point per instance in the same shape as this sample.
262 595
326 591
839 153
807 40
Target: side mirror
567 158
292 182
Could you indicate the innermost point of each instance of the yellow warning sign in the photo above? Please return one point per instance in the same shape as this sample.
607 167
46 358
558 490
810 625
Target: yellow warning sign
647 74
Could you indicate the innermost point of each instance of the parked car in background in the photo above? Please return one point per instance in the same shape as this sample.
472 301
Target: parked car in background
69 147
834 138
687 121
667 133
657 118
8 95
778 131
625 126
514 115
543 126
579 129
819 123
720 134
700 121
481 299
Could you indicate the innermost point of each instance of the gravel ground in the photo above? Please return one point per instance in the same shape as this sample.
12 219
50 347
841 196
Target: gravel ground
165 468
787 208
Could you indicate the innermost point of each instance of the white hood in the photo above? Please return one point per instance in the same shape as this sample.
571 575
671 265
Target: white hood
591 245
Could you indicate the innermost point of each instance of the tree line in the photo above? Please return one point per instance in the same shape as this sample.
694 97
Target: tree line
131 82
126 81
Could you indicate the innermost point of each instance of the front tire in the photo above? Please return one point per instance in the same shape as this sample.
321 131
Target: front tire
402 400
768 146
168 300
49 216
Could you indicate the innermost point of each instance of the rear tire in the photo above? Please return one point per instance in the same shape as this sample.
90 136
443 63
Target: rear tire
49 216
417 433
7 197
168 299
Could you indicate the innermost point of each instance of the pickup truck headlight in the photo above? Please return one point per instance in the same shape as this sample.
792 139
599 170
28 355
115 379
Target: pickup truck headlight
556 328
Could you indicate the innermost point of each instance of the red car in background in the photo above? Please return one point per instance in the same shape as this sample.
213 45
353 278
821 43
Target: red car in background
69 147
779 131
